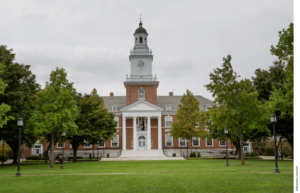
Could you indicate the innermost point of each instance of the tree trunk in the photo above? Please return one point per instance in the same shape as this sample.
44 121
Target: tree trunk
241 145
46 160
52 151
191 146
74 154
93 151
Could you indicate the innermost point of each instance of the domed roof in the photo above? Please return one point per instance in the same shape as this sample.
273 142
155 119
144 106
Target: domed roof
141 29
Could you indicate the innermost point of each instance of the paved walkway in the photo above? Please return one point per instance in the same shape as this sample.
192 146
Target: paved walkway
141 158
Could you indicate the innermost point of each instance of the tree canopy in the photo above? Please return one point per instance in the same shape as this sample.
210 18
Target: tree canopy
238 107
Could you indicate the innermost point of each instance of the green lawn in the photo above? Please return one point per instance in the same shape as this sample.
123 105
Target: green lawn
150 176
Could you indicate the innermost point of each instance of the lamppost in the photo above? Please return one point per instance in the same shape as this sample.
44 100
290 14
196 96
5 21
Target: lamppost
3 143
20 125
63 134
274 120
226 132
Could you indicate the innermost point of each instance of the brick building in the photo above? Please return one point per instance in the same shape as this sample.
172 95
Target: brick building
144 119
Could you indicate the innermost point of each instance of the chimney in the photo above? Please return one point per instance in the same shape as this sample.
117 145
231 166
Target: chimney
111 94
170 93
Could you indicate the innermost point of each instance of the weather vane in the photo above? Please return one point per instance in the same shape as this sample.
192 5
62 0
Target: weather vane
140 18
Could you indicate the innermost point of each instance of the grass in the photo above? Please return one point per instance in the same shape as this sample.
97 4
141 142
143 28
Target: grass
209 175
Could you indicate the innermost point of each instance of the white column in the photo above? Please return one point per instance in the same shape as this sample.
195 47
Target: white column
134 134
124 133
149 133
159 134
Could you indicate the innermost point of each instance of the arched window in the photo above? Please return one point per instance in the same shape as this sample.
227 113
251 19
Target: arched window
141 40
141 94
142 137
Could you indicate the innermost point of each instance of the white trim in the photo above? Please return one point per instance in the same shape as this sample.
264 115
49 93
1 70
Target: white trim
86 146
111 141
184 142
101 146
167 107
59 143
112 108
222 145
212 141
198 142
166 140
71 146
166 121
117 120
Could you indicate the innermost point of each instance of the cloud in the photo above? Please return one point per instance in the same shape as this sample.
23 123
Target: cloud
92 39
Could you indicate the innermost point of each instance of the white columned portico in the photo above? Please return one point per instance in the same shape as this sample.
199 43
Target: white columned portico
134 134
124 133
149 133
159 133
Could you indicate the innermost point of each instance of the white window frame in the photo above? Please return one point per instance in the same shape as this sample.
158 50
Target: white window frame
167 107
166 121
212 143
206 106
112 108
111 141
117 120
71 146
59 143
194 138
86 146
144 94
197 124
184 142
222 145
101 146
166 140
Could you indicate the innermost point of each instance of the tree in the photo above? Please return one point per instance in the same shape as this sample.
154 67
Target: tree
188 115
20 96
4 108
239 109
265 82
284 50
94 122
56 109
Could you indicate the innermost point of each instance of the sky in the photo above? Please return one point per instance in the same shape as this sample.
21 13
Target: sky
92 39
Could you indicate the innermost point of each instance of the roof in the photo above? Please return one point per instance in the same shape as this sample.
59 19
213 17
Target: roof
162 102
140 29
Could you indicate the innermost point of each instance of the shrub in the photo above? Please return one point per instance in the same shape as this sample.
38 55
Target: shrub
252 154
247 154
198 154
78 157
193 154
3 159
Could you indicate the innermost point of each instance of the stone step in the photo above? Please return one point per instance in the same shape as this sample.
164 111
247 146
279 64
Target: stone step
141 158
142 154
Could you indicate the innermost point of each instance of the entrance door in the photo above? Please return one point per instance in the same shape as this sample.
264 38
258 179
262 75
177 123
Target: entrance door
142 143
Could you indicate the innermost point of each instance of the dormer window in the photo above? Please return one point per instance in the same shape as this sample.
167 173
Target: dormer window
115 108
141 94
207 106
168 107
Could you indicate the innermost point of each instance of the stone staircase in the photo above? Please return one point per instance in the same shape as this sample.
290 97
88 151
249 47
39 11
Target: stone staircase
128 155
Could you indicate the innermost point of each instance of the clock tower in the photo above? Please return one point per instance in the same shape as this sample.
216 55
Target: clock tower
141 76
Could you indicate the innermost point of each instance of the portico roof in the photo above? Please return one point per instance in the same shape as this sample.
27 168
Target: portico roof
141 105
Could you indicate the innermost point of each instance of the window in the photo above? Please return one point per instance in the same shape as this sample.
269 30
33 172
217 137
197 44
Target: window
117 120
196 141
168 121
141 94
168 107
115 141
141 39
207 106
182 142
169 140
101 143
197 124
60 145
115 108
209 142
222 143
71 145
87 144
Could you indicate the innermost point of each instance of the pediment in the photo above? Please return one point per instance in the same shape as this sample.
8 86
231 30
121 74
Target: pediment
142 106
